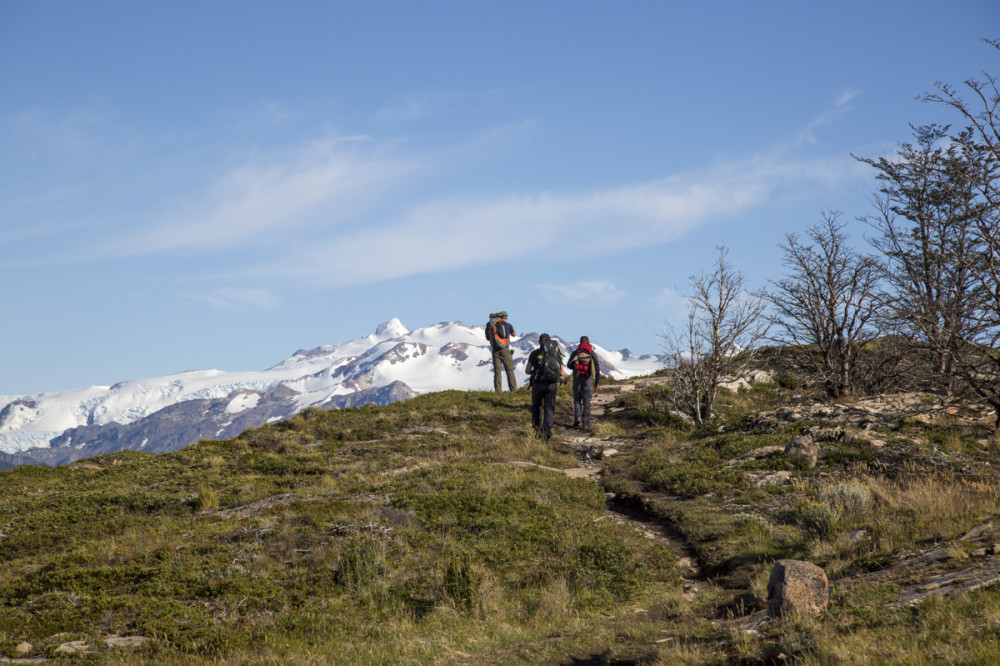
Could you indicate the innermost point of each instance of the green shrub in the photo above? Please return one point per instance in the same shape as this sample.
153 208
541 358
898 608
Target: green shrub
818 517
851 498
754 525
462 580
787 380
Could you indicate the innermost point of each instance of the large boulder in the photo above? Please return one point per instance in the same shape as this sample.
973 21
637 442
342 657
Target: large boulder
803 451
797 586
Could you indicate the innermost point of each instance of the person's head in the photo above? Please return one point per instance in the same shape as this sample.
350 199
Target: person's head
502 314
584 340
543 338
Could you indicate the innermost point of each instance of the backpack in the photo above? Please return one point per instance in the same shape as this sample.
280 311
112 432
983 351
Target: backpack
550 367
491 331
583 360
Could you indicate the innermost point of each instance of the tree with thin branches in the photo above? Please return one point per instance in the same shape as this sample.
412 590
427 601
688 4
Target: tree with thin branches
828 304
725 325
979 361
923 229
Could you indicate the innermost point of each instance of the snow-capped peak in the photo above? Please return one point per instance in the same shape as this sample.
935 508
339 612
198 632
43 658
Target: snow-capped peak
391 329
449 355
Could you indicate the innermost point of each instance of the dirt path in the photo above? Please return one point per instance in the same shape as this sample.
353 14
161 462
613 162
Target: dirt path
590 449
692 579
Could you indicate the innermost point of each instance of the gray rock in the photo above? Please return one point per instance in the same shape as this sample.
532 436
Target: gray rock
125 641
73 647
779 478
978 532
803 451
797 587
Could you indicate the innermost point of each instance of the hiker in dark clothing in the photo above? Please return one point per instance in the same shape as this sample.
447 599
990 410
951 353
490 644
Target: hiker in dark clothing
544 370
586 376
499 332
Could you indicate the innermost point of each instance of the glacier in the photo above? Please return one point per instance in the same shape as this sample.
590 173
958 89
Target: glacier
392 363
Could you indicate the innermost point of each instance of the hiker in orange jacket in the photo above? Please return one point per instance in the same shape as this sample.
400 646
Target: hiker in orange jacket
499 332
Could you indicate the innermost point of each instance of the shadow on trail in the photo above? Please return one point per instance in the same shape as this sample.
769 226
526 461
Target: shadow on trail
604 660
635 513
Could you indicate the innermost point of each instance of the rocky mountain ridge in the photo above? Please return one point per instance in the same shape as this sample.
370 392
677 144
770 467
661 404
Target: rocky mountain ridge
167 413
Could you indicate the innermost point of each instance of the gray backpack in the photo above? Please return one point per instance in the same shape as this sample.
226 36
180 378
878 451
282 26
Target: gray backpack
551 366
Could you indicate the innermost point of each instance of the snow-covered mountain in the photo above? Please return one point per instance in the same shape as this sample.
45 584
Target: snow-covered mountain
167 413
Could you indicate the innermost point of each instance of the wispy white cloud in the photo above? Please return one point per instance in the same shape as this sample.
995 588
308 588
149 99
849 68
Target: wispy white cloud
417 105
231 297
594 291
668 298
672 305
342 211
263 113
842 105
261 199
421 104
460 232
71 134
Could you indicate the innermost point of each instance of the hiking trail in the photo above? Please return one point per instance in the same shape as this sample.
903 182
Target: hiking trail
590 448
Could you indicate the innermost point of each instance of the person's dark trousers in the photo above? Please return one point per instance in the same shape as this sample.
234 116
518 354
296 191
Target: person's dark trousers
543 407
503 357
583 391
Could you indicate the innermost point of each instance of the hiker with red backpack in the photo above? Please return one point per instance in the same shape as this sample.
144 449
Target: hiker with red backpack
586 375
544 368
499 332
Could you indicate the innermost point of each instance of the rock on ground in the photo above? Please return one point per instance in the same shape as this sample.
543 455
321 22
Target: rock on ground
797 586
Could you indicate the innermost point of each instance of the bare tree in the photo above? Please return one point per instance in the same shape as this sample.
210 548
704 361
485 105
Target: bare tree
981 138
979 361
924 208
725 325
828 304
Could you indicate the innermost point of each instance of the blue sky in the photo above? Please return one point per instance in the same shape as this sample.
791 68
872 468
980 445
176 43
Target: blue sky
192 185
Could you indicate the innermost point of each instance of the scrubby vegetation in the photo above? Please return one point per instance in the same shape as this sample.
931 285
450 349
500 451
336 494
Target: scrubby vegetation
373 535
440 530
893 507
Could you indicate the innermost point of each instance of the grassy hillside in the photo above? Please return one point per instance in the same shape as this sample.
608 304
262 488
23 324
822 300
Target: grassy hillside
374 535
441 531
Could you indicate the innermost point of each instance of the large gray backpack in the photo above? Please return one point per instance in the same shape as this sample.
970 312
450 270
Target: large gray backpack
551 366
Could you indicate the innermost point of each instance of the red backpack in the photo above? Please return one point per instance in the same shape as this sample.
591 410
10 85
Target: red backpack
584 360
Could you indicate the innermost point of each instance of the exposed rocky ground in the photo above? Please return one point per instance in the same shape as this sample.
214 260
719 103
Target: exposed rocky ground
873 425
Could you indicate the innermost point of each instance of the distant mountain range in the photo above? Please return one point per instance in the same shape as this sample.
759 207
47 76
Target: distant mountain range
168 413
